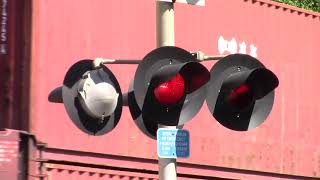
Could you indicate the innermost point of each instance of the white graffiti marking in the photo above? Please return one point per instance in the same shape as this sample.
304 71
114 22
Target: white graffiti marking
231 47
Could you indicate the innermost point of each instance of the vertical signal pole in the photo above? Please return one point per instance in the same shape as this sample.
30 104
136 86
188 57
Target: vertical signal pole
165 37
165 23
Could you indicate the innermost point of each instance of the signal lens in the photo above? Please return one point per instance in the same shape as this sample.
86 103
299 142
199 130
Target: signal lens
241 97
170 92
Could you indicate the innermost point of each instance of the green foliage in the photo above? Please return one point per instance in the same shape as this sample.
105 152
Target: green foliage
313 5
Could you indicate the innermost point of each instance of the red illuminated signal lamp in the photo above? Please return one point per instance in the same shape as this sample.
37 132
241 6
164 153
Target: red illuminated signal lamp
170 92
241 97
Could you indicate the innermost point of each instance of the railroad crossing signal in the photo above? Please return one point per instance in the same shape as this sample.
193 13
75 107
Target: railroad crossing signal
168 89
92 97
241 92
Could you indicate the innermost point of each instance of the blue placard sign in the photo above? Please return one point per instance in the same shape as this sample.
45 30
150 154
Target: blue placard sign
173 143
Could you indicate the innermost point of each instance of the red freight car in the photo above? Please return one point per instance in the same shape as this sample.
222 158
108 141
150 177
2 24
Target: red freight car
40 40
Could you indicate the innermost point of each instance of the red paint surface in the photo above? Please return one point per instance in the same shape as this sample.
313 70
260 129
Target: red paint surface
61 172
10 157
65 31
